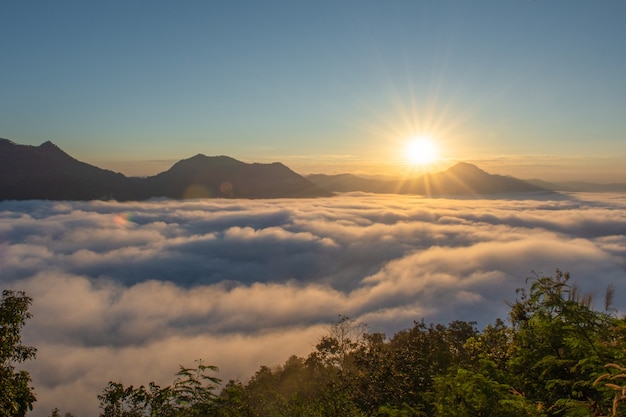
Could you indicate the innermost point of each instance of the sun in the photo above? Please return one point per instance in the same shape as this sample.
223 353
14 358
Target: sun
421 151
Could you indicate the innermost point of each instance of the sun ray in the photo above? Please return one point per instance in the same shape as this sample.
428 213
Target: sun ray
421 151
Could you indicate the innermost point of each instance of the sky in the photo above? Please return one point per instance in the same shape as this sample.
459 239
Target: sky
533 89
129 291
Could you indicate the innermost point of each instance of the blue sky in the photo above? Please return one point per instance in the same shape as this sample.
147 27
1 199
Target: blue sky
529 88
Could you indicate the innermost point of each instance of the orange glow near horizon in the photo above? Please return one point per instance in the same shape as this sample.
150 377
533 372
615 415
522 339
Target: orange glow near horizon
415 136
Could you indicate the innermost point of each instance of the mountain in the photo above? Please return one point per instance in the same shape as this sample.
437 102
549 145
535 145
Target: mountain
349 182
222 176
46 172
464 178
461 179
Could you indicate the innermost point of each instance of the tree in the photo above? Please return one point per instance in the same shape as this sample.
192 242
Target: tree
120 401
192 394
492 344
16 395
194 390
232 402
468 393
299 388
559 347
346 336
479 385
333 365
416 357
548 363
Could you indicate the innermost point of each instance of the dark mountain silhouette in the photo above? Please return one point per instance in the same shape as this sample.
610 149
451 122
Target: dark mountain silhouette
222 176
461 179
46 172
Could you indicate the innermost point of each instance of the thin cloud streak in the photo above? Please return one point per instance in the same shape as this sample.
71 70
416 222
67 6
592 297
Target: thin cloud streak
128 291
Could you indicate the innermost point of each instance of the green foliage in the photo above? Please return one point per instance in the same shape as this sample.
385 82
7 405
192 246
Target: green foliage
416 356
192 394
559 347
462 393
344 338
493 344
231 401
16 395
404 411
194 390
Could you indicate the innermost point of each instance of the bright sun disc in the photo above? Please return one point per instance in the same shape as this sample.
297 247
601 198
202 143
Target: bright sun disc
421 151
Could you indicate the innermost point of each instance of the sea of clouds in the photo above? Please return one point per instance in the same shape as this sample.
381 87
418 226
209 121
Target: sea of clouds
130 291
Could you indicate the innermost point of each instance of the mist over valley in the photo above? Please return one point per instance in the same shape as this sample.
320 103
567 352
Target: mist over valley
128 291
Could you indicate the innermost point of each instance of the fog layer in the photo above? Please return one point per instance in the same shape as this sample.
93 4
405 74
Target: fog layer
127 292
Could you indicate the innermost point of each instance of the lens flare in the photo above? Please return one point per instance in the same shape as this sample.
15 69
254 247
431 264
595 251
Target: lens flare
123 219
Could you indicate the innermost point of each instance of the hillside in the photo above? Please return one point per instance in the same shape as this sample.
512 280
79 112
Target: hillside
222 176
460 179
46 172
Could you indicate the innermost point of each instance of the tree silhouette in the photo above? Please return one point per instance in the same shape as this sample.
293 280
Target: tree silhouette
16 395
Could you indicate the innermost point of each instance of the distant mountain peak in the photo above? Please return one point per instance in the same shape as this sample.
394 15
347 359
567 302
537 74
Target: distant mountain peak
49 146
465 168
199 161
462 178
203 157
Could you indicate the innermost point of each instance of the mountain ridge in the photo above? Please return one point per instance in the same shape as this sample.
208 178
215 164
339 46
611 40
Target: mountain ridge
462 178
48 172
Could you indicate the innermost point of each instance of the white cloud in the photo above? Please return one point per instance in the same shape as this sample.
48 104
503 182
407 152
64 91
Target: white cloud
128 291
